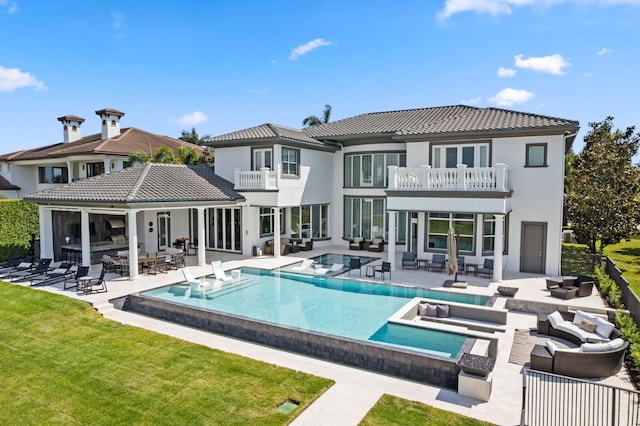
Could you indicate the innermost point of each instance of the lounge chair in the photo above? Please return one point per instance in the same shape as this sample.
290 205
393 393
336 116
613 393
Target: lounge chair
13 261
486 268
334 268
41 268
306 264
216 265
409 260
54 275
385 267
22 266
437 262
95 285
197 286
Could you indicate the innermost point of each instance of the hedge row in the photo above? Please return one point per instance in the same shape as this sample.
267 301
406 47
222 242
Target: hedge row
625 323
19 226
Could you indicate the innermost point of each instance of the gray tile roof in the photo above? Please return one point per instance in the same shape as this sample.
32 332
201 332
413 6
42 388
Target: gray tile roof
130 140
5 185
264 132
148 183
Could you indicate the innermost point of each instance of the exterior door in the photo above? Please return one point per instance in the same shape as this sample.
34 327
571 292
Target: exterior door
164 230
533 257
413 233
225 229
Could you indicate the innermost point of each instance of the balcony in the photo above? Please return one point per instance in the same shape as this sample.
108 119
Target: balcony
425 178
263 179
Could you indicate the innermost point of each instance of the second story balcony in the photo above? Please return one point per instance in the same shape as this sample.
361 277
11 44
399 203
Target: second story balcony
462 178
263 179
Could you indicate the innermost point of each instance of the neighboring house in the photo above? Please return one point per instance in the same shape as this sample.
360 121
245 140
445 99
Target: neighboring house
80 157
495 175
7 189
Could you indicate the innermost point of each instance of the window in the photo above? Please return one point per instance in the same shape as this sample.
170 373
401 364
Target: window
266 221
536 155
367 218
262 158
290 161
438 227
449 156
489 234
95 169
310 221
53 175
370 169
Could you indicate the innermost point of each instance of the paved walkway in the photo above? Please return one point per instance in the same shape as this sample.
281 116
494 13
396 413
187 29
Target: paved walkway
355 391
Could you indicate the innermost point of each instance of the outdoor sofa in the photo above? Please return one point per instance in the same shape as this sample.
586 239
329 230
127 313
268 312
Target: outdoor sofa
569 326
473 317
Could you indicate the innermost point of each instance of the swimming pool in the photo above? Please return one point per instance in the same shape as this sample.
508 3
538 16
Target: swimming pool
351 309
329 259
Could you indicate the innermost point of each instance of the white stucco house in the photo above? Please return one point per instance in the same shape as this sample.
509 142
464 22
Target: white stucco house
496 176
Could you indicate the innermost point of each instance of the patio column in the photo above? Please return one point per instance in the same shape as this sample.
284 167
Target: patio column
276 231
132 227
46 233
85 238
498 247
202 261
391 247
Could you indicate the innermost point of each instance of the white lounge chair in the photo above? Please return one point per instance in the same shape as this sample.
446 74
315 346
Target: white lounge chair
197 286
334 268
219 272
304 265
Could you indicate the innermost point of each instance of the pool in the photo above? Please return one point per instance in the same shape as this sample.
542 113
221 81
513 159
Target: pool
328 318
329 259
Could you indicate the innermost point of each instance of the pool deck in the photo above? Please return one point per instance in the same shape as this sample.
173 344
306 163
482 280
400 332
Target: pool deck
355 391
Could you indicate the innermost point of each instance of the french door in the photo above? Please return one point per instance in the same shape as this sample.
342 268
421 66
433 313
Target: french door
225 229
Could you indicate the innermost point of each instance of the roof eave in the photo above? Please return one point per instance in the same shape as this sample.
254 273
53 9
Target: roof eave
492 133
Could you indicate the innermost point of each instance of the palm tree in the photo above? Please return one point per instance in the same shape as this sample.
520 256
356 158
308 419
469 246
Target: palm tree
313 120
192 137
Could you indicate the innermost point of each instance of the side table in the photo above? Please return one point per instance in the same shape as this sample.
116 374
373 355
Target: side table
370 271
469 267
541 359
423 262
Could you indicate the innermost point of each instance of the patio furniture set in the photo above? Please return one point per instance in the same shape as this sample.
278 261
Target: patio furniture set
289 245
570 287
438 262
359 243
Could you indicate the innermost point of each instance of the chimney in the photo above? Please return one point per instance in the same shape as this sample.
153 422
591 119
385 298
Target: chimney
110 122
71 127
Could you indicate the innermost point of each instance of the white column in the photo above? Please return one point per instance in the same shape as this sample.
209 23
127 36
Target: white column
46 233
132 227
107 166
201 227
85 238
276 231
498 248
391 247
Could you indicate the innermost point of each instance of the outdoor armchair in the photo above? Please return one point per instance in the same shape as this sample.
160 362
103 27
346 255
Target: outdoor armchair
95 285
486 268
384 268
437 262
306 244
377 244
409 260
356 243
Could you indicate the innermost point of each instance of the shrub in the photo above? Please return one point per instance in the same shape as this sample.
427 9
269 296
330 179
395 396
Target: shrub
19 226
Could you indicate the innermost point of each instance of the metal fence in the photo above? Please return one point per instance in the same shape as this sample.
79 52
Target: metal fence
629 298
574 264
549 399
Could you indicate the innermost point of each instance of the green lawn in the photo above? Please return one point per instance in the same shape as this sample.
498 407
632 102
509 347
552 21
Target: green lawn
626 255
62 363
391 410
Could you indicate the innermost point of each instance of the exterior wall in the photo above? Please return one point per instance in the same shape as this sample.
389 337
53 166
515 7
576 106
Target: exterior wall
228 159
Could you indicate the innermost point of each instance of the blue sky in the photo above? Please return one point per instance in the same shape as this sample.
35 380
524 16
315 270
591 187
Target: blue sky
224 66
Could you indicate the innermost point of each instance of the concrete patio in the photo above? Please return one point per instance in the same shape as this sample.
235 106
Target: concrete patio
355 391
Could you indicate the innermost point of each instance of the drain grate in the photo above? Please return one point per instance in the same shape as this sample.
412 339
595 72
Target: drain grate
288 406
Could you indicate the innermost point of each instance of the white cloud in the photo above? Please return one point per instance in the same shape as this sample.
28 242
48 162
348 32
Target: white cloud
552 64
506 72
508 97
604 51
12 6
473 101
12 79
505 7
308 47
192 119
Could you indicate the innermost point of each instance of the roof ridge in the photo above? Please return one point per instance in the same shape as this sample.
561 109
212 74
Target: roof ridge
529 113
138 184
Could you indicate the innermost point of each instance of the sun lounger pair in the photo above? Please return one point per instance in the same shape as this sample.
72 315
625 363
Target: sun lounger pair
306 264
55 275
334 268
25 275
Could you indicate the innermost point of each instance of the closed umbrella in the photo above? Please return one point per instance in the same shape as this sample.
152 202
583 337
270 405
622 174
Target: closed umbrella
452 253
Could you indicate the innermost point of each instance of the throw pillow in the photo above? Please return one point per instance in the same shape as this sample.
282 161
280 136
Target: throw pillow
580 315
551 347
422 309
432 310
555 319
604 328
443 311
589 326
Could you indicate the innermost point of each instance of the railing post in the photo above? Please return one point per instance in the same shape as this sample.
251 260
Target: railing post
236 177
392 184
425 182
460 177
264 177
501 177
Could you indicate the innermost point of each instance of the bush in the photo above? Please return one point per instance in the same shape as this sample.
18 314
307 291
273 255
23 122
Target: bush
19 226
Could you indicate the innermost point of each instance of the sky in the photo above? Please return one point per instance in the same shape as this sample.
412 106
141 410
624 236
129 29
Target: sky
221 66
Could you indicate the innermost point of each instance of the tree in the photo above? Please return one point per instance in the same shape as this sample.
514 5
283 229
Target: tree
188 155
138 157
164 155
192 137
313 120
604 187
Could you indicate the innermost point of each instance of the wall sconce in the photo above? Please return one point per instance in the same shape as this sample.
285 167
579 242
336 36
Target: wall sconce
150 223
150 229
67 240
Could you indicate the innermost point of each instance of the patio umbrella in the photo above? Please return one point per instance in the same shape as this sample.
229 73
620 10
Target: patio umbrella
452 253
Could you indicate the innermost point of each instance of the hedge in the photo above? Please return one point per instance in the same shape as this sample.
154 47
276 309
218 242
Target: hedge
19 226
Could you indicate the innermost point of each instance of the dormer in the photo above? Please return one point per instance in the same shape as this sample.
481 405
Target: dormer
110 122
71 127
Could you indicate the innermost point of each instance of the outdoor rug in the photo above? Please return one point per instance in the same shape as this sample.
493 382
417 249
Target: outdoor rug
523 342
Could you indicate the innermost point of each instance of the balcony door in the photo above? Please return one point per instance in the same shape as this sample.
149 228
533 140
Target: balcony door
449 156
262 158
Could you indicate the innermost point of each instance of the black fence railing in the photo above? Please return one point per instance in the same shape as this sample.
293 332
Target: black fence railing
549 399
629 298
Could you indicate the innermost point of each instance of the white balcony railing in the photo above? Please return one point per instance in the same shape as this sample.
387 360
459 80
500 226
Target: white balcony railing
255 180
424 178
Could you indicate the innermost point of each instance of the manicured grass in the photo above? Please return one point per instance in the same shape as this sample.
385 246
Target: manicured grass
626 255
62 363
391 410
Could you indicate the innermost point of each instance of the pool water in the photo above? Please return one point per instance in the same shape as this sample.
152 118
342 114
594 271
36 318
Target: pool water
329 259
352 309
